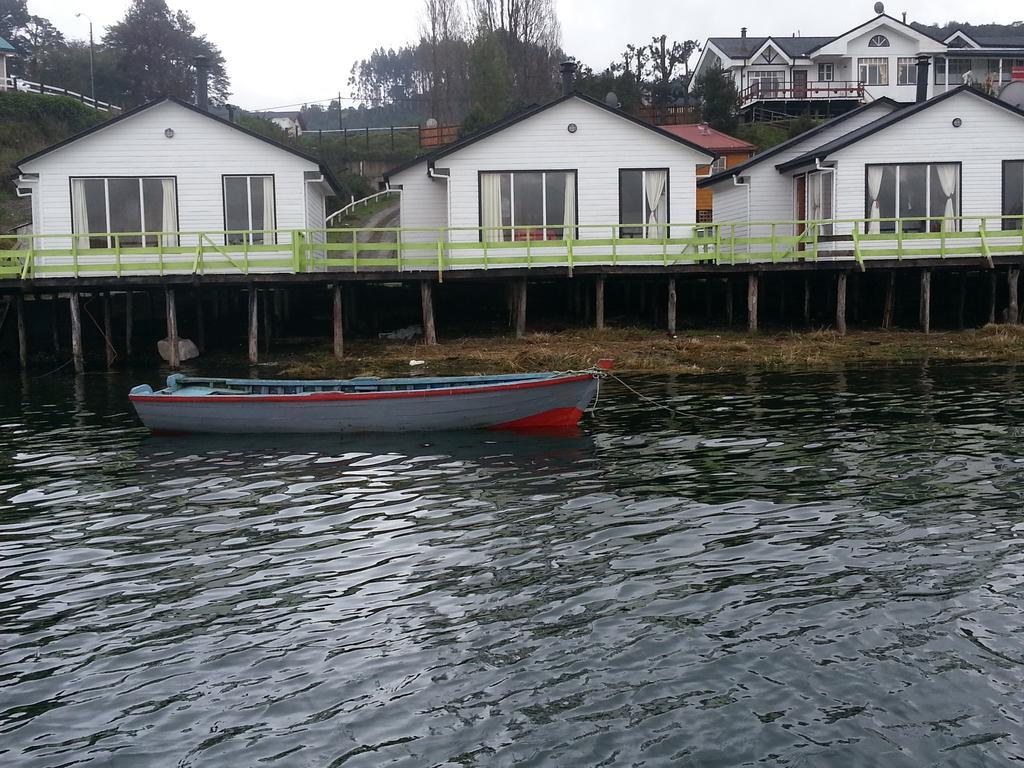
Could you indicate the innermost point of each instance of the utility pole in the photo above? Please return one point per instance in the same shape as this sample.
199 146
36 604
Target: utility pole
92 61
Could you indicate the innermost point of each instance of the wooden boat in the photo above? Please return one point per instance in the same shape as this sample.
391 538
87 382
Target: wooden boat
515 401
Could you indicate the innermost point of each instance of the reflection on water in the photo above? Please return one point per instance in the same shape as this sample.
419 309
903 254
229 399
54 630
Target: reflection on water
804 570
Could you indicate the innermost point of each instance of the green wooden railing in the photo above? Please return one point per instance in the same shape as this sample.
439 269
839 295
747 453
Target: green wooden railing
406 249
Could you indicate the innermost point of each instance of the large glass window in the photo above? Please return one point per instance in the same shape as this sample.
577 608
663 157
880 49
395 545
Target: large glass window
643 202
873 71
924 196
1013 193
135 208
958 68
768 83
249 214
527 205
906 70
819 205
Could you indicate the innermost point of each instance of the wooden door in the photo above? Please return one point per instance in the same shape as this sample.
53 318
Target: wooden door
800 84
800 195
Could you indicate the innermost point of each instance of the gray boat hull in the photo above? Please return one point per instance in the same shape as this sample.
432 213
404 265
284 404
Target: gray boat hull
552 403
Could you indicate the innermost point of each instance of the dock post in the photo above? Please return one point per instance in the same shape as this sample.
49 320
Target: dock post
268 328
254 325
841 303
427 303
129 320
961 301
890 300
807 301
992 288
200 321
1012 312
599 302
172 329
926 300
672 311
752 280
76 332
339 324
519 305
730 301
19 303
108 332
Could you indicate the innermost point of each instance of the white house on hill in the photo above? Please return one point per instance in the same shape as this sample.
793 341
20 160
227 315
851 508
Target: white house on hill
574 168
169 166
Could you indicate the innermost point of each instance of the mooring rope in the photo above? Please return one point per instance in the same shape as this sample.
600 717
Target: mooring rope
651 400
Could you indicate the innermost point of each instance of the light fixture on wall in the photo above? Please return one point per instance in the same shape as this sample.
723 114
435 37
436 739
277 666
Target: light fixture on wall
169 133
957 122
572 128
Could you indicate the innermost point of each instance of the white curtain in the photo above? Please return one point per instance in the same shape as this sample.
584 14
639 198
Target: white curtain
656 181
79 211
168 213
569 219
268 208
490 206
948 181
874 188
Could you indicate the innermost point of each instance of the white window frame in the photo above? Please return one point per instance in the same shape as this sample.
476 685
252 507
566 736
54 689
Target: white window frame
510 233
910 65
826 72
955 74
632 230
1014 224
878 41
249 235
142 207
929 216
864 65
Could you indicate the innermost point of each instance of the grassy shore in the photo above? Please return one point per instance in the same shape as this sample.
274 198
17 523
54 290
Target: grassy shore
644 350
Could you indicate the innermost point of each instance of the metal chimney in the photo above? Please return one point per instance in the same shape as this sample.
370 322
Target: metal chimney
743 33
202 64
923 63
568 70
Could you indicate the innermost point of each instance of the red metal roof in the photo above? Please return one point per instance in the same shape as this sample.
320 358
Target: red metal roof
707 137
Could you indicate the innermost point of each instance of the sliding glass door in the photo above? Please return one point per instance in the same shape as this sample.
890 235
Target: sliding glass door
1013 194
135 208
925 197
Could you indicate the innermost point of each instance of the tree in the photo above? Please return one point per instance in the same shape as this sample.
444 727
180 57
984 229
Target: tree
490 83
718 98
670 66
154 49
442 40
529 34
14 17
43 42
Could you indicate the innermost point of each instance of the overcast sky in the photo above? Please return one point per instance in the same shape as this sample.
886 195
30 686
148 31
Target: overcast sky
295 51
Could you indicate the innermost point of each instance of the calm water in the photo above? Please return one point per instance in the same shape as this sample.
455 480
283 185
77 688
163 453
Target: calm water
811 570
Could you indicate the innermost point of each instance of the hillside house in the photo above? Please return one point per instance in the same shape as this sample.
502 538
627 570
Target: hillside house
169 167
292 123
7 51
828 75
730 150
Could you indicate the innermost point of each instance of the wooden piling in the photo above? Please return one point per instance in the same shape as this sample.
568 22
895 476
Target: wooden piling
890 300
172 329
200 322
268 327
599 302
671 310
730 301
19 304
926 300
992 288
752 280
841 303
129 320
961 301
807 301
427 303
519 305
54 320
339 325
1013 312
108 331
254 325
76 332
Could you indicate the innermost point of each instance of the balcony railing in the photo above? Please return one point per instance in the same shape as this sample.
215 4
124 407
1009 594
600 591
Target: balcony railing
445 250
27 86
818 90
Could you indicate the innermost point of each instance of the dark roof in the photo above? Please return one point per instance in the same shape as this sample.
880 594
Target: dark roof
1000 35
132 112
819 153
745 47
759 158
500 125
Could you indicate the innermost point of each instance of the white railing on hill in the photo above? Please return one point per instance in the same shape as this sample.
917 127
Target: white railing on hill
27 86
361 201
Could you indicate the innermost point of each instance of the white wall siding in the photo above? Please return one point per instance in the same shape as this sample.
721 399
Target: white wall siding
423 202
602 144
201 151
989 135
